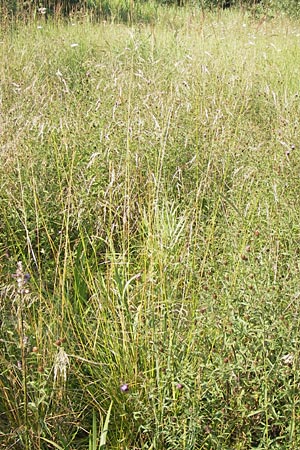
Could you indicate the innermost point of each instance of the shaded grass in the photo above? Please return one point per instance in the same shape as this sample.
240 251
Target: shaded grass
149 184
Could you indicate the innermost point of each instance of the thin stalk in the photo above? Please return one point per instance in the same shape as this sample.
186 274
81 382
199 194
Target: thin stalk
24 374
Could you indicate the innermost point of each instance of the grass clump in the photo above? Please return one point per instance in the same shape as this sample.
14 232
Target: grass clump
149 187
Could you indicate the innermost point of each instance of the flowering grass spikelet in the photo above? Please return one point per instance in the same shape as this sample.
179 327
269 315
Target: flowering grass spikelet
61 365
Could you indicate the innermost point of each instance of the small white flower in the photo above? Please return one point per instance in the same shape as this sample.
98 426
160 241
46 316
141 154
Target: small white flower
39 27
74 45
42 10
288 359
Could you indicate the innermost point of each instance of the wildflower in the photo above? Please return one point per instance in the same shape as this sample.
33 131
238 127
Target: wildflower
124 387
288 359
42 10
74 45
179 386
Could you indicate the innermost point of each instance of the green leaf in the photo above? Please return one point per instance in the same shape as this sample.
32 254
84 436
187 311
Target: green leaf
53 443
105 428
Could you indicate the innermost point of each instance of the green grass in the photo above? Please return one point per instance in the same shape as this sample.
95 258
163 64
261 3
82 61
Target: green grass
150 186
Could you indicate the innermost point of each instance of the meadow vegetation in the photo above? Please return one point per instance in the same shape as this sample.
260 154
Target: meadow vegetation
149 232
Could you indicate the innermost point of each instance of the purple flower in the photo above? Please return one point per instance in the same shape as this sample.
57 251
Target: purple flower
179 386
124 387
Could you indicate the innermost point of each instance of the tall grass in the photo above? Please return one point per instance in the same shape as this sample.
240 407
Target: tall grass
149 186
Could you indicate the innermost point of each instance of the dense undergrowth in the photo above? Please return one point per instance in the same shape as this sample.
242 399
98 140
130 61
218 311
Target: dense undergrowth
149 234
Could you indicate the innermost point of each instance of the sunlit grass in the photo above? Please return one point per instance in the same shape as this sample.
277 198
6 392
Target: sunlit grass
149 185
